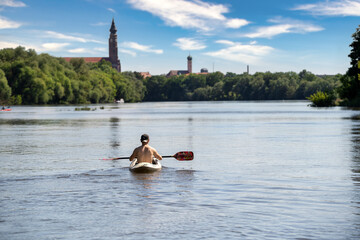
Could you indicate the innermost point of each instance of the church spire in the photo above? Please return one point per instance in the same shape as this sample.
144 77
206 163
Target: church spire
113 48
113 29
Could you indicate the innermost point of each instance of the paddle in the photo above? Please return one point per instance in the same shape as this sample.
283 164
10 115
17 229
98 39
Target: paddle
181 156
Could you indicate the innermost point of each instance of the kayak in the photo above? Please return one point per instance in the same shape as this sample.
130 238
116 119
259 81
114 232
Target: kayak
5 110
145 167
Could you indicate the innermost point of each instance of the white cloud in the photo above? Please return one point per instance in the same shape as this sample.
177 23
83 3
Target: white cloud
78 50
332 8
142 48
69 37
236 23
283 26
101 49
225 42
5 23
8 45
238 52
15 44
189 44
189 14
270 31
11 3
126 51
99 24
54 46
88 51
111 10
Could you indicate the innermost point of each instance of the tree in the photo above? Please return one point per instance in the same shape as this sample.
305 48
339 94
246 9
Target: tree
217 92
202 94
322 99
175 90
155 88
5 90
349 91
355 54
213 78
194 81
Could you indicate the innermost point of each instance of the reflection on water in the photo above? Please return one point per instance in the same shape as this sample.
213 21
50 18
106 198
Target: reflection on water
115 129
355 138
146 180
185 175
355 169
190 129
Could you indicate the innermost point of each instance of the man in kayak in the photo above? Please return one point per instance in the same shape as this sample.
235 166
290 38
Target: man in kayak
145 153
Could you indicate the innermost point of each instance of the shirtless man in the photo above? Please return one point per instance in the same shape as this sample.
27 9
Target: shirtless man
145 153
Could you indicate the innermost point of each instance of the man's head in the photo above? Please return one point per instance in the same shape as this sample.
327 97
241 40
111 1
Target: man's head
144 138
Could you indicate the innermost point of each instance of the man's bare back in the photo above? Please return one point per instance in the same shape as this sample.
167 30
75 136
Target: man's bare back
145 153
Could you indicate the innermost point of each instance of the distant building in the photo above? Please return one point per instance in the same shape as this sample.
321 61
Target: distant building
188 71
113 51
113 48
182 72
145 74
189 63
203 71
177 73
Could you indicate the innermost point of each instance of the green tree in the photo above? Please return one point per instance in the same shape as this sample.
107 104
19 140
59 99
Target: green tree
308 76
349 91
257 88
355 54
5 90
217 92
194 81
155 88
241 90
202 94
322 99
175 90
132 89
213 78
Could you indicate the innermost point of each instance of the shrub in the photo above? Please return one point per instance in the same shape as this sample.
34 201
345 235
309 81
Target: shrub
322 99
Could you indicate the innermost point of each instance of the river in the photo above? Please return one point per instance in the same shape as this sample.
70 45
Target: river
262 170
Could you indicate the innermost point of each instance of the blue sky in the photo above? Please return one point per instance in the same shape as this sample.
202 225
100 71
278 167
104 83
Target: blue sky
158 35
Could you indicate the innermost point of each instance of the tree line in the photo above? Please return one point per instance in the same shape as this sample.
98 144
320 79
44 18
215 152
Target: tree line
30 78
217 86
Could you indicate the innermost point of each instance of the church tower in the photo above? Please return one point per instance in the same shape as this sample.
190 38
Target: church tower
189 64
113 48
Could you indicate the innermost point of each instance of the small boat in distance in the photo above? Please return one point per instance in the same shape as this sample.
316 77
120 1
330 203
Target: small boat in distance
4 109
120 101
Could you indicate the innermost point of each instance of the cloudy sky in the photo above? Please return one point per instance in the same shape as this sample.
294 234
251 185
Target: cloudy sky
220 35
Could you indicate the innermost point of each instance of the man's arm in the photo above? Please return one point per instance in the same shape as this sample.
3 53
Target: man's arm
156 154
133 155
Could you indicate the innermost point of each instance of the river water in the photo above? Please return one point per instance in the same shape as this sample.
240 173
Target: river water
262 170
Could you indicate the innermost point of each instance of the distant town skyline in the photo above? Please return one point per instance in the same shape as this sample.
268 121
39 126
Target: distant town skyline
157 35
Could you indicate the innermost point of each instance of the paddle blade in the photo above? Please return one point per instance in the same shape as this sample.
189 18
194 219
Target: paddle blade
184 156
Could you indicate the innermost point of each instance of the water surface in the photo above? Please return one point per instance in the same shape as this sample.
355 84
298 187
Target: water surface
262 170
